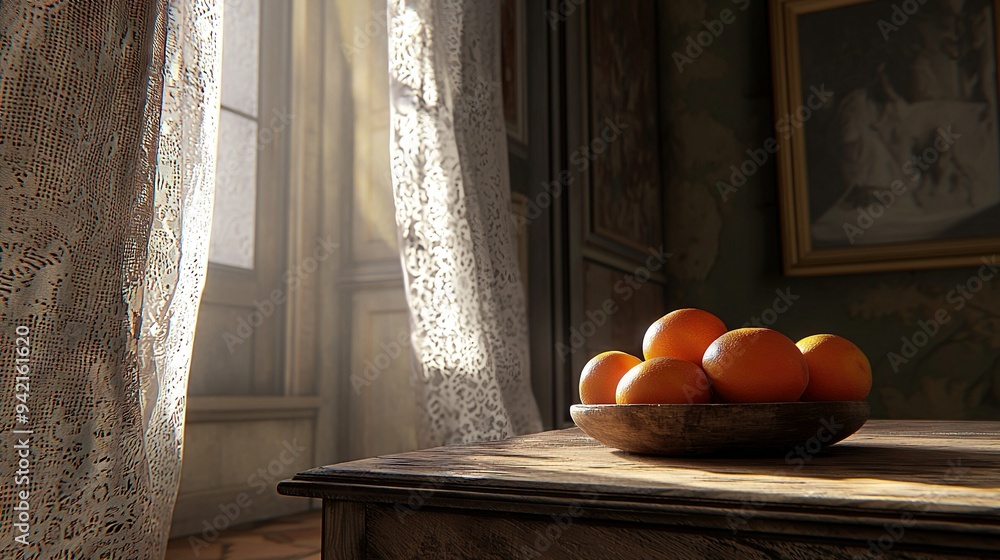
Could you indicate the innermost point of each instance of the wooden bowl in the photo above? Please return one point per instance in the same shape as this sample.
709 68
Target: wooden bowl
721 429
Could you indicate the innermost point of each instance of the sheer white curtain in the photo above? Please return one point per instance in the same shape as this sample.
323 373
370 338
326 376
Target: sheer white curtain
108 113
452 195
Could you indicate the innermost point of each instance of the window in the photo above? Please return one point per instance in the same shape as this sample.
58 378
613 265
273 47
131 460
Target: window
239 343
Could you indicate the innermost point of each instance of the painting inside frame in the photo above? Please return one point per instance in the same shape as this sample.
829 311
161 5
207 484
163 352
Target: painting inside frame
894 159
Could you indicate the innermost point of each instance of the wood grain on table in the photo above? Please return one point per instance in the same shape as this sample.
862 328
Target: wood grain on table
928 489
943 467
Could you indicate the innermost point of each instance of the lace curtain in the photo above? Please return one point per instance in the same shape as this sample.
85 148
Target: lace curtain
452 194
108 113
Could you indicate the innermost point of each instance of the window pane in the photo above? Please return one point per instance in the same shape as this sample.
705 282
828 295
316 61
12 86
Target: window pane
240 48
235 193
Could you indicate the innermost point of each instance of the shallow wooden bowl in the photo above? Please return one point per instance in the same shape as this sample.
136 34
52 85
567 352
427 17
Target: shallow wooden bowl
721 429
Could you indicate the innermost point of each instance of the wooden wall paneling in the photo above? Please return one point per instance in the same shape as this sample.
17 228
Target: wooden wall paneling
373 235
619 307
236 479
272 254
623 206
373 223
218 368
365 290
381 402
377 407
336 138
310 238
614 204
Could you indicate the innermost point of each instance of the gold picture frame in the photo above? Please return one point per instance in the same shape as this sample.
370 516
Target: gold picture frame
810 244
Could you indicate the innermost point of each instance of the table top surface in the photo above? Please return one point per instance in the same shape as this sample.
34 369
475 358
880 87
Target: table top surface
934 467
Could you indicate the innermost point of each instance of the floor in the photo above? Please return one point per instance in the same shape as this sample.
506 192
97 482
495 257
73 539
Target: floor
296 537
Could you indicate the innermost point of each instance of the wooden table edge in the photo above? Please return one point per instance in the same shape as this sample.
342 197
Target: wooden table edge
648 511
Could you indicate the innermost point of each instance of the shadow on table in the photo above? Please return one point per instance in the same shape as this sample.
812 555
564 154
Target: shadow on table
962 467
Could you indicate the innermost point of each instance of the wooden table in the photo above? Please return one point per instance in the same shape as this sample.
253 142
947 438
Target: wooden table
893 490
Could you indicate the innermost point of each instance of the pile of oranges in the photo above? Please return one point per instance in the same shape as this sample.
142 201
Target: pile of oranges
691 358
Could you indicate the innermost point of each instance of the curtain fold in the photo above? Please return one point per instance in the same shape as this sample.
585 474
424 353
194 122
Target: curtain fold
179 237
452 193
108 111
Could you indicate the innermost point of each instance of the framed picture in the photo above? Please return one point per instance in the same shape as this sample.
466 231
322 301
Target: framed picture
886 133
513 69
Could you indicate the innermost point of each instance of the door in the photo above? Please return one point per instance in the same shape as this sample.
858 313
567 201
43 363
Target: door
598 250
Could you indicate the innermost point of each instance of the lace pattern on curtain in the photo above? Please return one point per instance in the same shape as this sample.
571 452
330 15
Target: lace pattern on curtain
452 195
177 256
103 239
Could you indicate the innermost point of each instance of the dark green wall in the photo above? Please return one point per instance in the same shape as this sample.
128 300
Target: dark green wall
727 254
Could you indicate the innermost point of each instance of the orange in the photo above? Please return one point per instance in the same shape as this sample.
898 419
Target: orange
754 366
601 375
684 334
838 370
664 381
